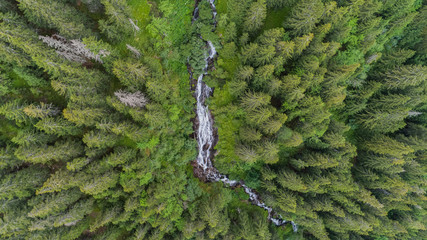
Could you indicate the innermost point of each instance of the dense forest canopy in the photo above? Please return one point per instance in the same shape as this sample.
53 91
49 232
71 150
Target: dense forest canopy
319 106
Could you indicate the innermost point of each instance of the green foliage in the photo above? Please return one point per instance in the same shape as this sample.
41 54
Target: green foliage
131 74
22 183
304 17
57 126
14 110
57 15
154 141
52 204
99 139
118 26
61 151
255 16
319 106
30 137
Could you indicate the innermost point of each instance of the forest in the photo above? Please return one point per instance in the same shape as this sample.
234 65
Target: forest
213 119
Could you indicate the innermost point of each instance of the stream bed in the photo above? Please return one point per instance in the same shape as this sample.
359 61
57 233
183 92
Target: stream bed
206 136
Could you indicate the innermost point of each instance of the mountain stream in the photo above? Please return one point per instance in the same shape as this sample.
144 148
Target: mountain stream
206 137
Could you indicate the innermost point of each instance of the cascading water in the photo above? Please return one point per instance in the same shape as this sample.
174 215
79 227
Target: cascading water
206 138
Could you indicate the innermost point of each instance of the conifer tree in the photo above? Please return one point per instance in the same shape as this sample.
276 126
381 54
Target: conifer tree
119 25
99 183
58 15
405 76
14 110
22 183
254 100
304 17
41 111
256 15
131 73
61 151
29 137
51 204
62 179
57 126
247 154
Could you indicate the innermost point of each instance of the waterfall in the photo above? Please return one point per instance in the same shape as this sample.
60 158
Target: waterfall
206 138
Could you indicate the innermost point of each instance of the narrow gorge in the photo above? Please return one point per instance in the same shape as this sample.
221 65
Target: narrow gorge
207 137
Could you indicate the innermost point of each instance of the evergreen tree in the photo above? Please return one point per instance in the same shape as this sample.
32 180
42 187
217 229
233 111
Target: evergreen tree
61 151
22 183
51 204
57 126
405 76
58 15
325 122
304 17
256 15
119 25
131 73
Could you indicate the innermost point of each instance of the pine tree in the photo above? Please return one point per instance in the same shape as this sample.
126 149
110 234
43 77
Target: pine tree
56 14
247 154
273 125
304 17
285 49
249 134
289 179
279 3
405 76
100 183
131 73
119 25
107 216
29 137
258 116
7 158
156 115
59 180
51 204
269 152
384 120
389 101
14 110
78 163
245 73
248 55
395 58
83 116
237 88
265 55
255 16
75 214
41 111
315 159
73 50
57 126
61 151
263 76
22 183
382 144
302 43
254 100
121 155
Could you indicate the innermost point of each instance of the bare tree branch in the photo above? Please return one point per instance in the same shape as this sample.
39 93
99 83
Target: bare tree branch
73 50
136 99
134 50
